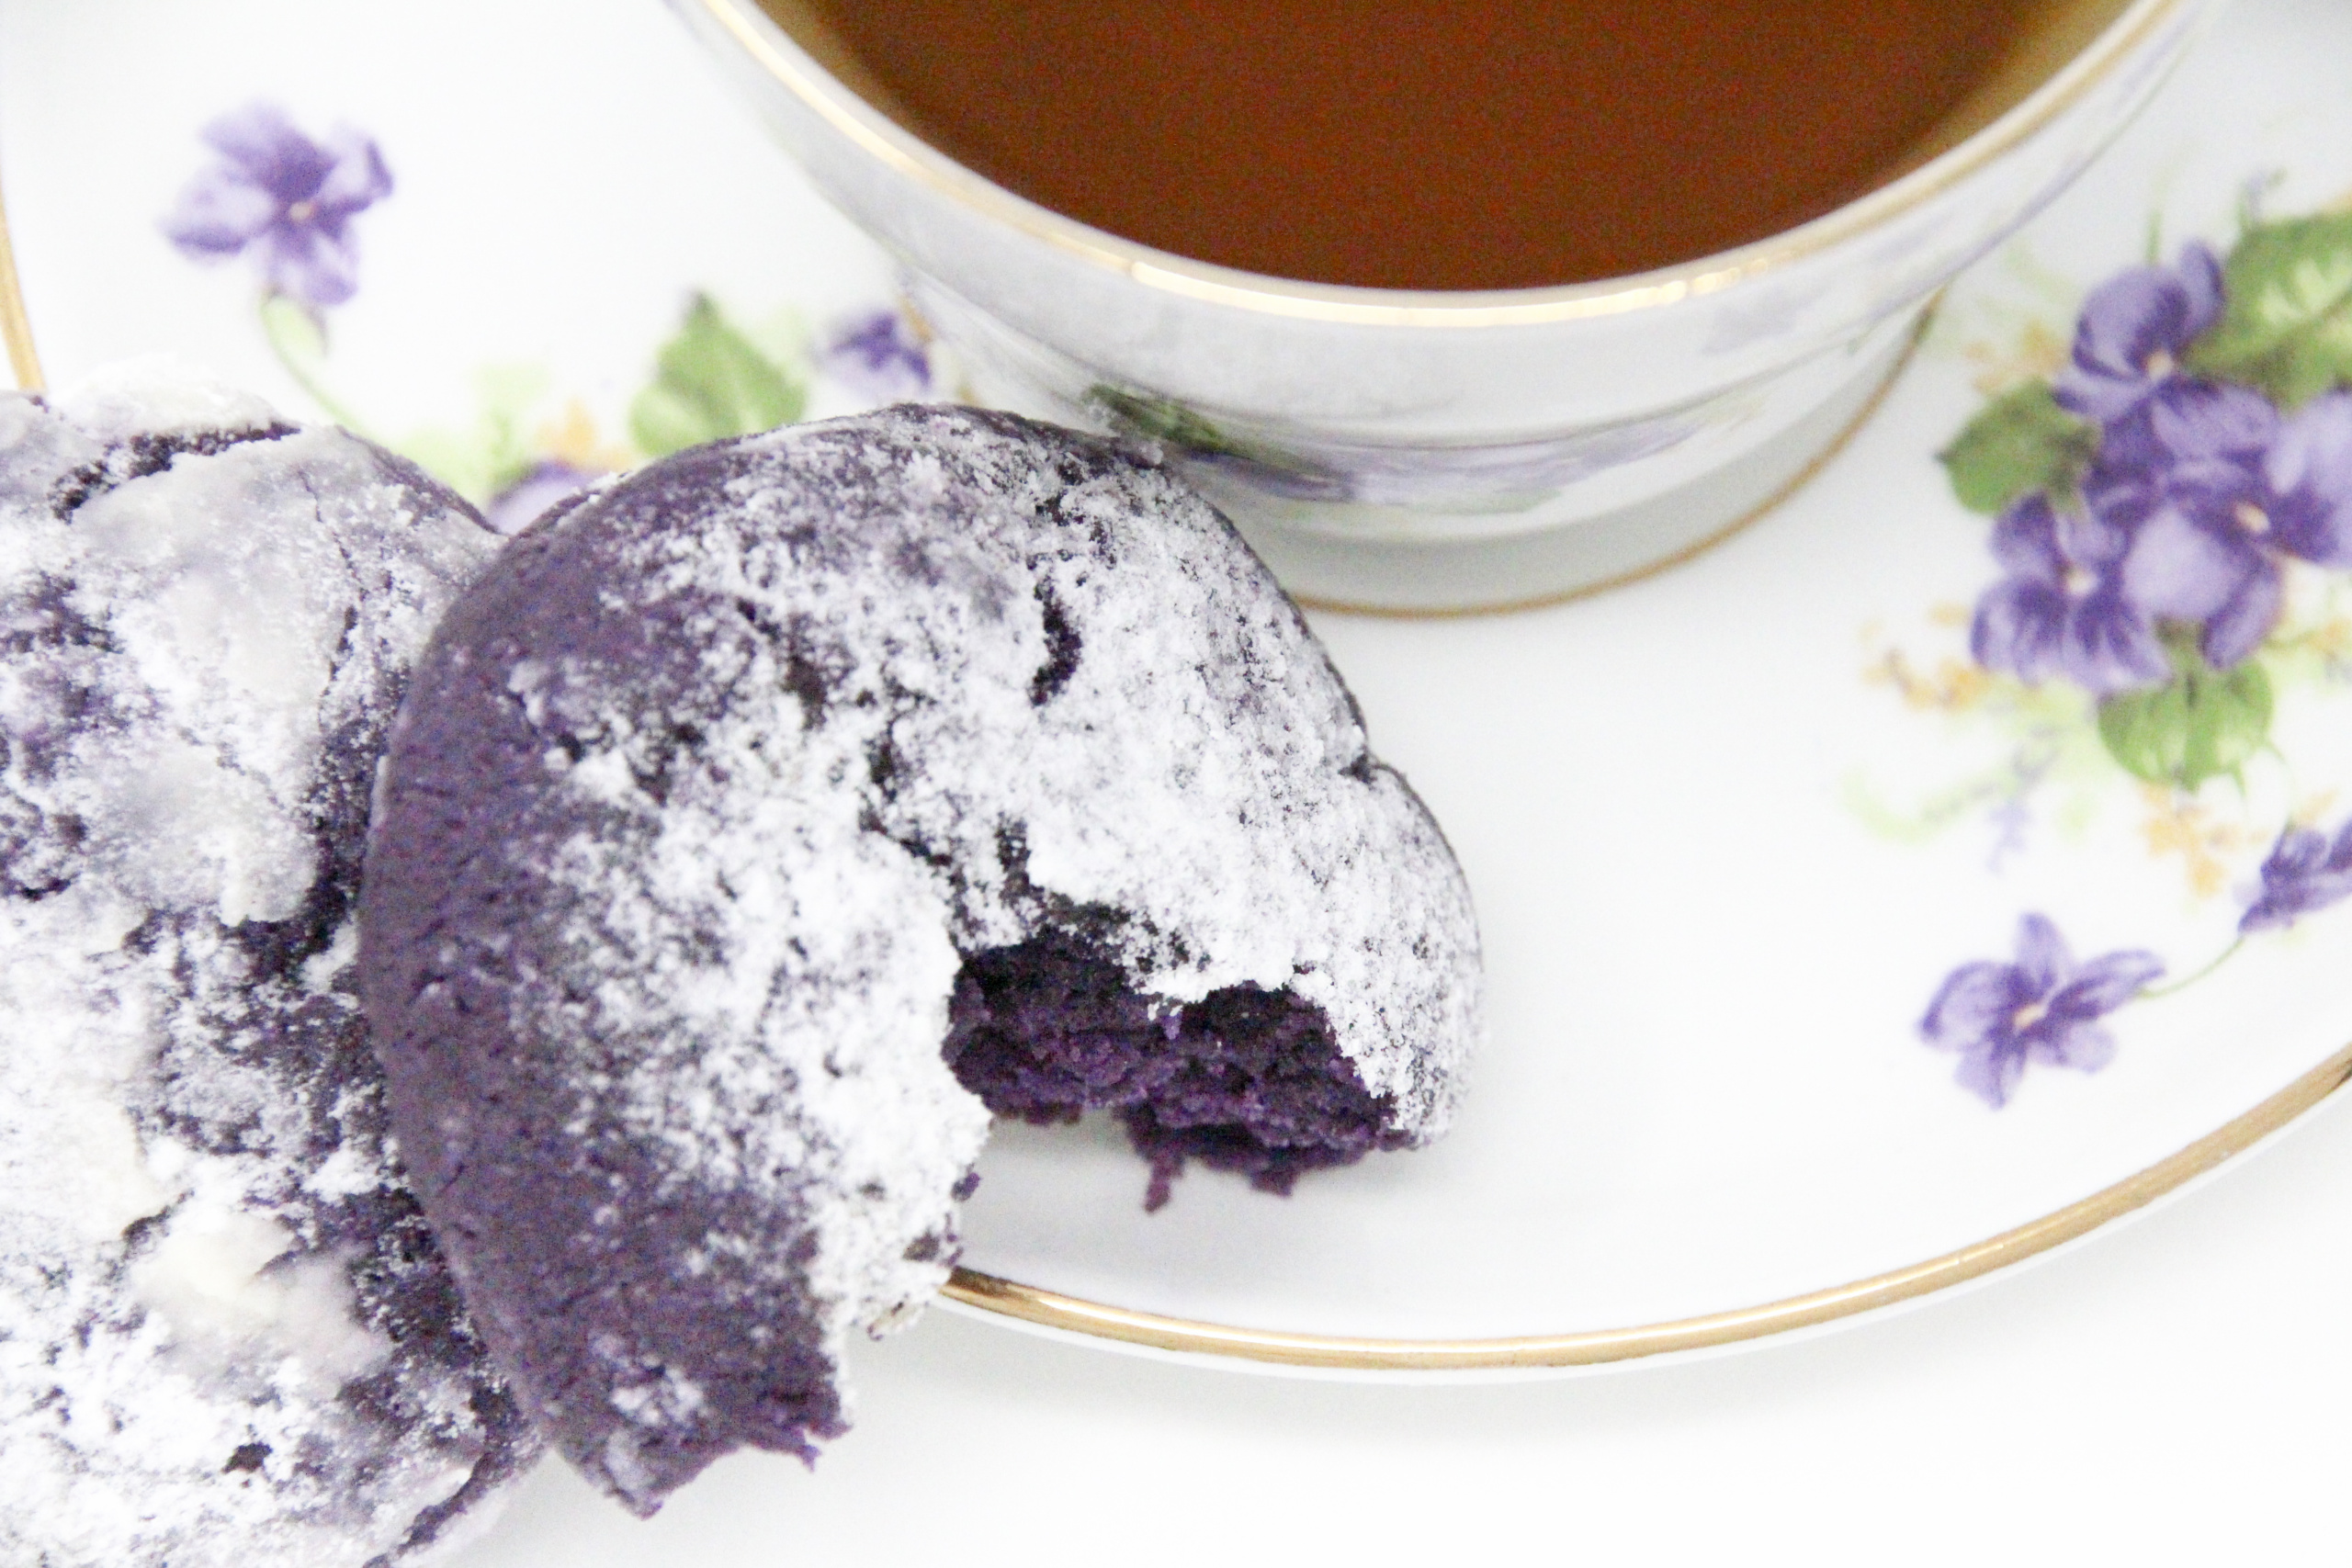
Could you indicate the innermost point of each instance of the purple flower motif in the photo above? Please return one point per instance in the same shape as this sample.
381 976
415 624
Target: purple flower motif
877 354
284 198
520 505
2238 491
2043 1008
2304 873
2062 610
2309 474
2133 332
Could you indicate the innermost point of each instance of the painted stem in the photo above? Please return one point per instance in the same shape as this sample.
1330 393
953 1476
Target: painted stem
298 340
2225 955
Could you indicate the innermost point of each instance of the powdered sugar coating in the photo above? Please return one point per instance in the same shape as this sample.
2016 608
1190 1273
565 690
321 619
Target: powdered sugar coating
705 793
225 1334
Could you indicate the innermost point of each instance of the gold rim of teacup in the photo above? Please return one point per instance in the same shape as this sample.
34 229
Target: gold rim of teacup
794 67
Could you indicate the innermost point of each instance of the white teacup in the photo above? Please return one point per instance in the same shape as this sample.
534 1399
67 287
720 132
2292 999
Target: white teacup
1419 450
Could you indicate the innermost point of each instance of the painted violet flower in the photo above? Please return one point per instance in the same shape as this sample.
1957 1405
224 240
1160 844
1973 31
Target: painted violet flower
2133 332
284 200
2239 491
520 505
2043 1008
2062 609
2304 873
876 355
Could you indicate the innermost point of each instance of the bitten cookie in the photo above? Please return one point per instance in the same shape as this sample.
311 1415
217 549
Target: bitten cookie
746 806
226 1339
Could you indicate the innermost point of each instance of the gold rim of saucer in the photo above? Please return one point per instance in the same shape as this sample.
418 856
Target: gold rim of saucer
797 70
15 325
1051 1310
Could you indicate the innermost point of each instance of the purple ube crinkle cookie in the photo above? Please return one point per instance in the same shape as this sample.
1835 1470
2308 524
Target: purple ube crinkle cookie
747 805
226 1338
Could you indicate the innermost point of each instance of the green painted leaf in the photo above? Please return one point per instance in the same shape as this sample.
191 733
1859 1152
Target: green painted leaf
2204 723
482 460
2287 328
2020 442
1170 422
1163 419
710 382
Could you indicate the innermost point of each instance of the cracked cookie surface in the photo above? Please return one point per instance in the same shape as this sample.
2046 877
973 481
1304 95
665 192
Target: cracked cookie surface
226 1334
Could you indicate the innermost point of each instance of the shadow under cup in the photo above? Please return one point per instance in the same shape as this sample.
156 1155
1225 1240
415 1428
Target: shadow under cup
1439 450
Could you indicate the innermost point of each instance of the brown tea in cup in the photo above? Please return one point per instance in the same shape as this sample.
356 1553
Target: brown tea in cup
1441 144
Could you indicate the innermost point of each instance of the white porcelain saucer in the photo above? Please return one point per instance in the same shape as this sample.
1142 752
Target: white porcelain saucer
1731 828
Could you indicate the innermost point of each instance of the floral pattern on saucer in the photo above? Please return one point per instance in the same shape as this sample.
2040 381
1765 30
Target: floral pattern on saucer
2171 550
289 204
2170 484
